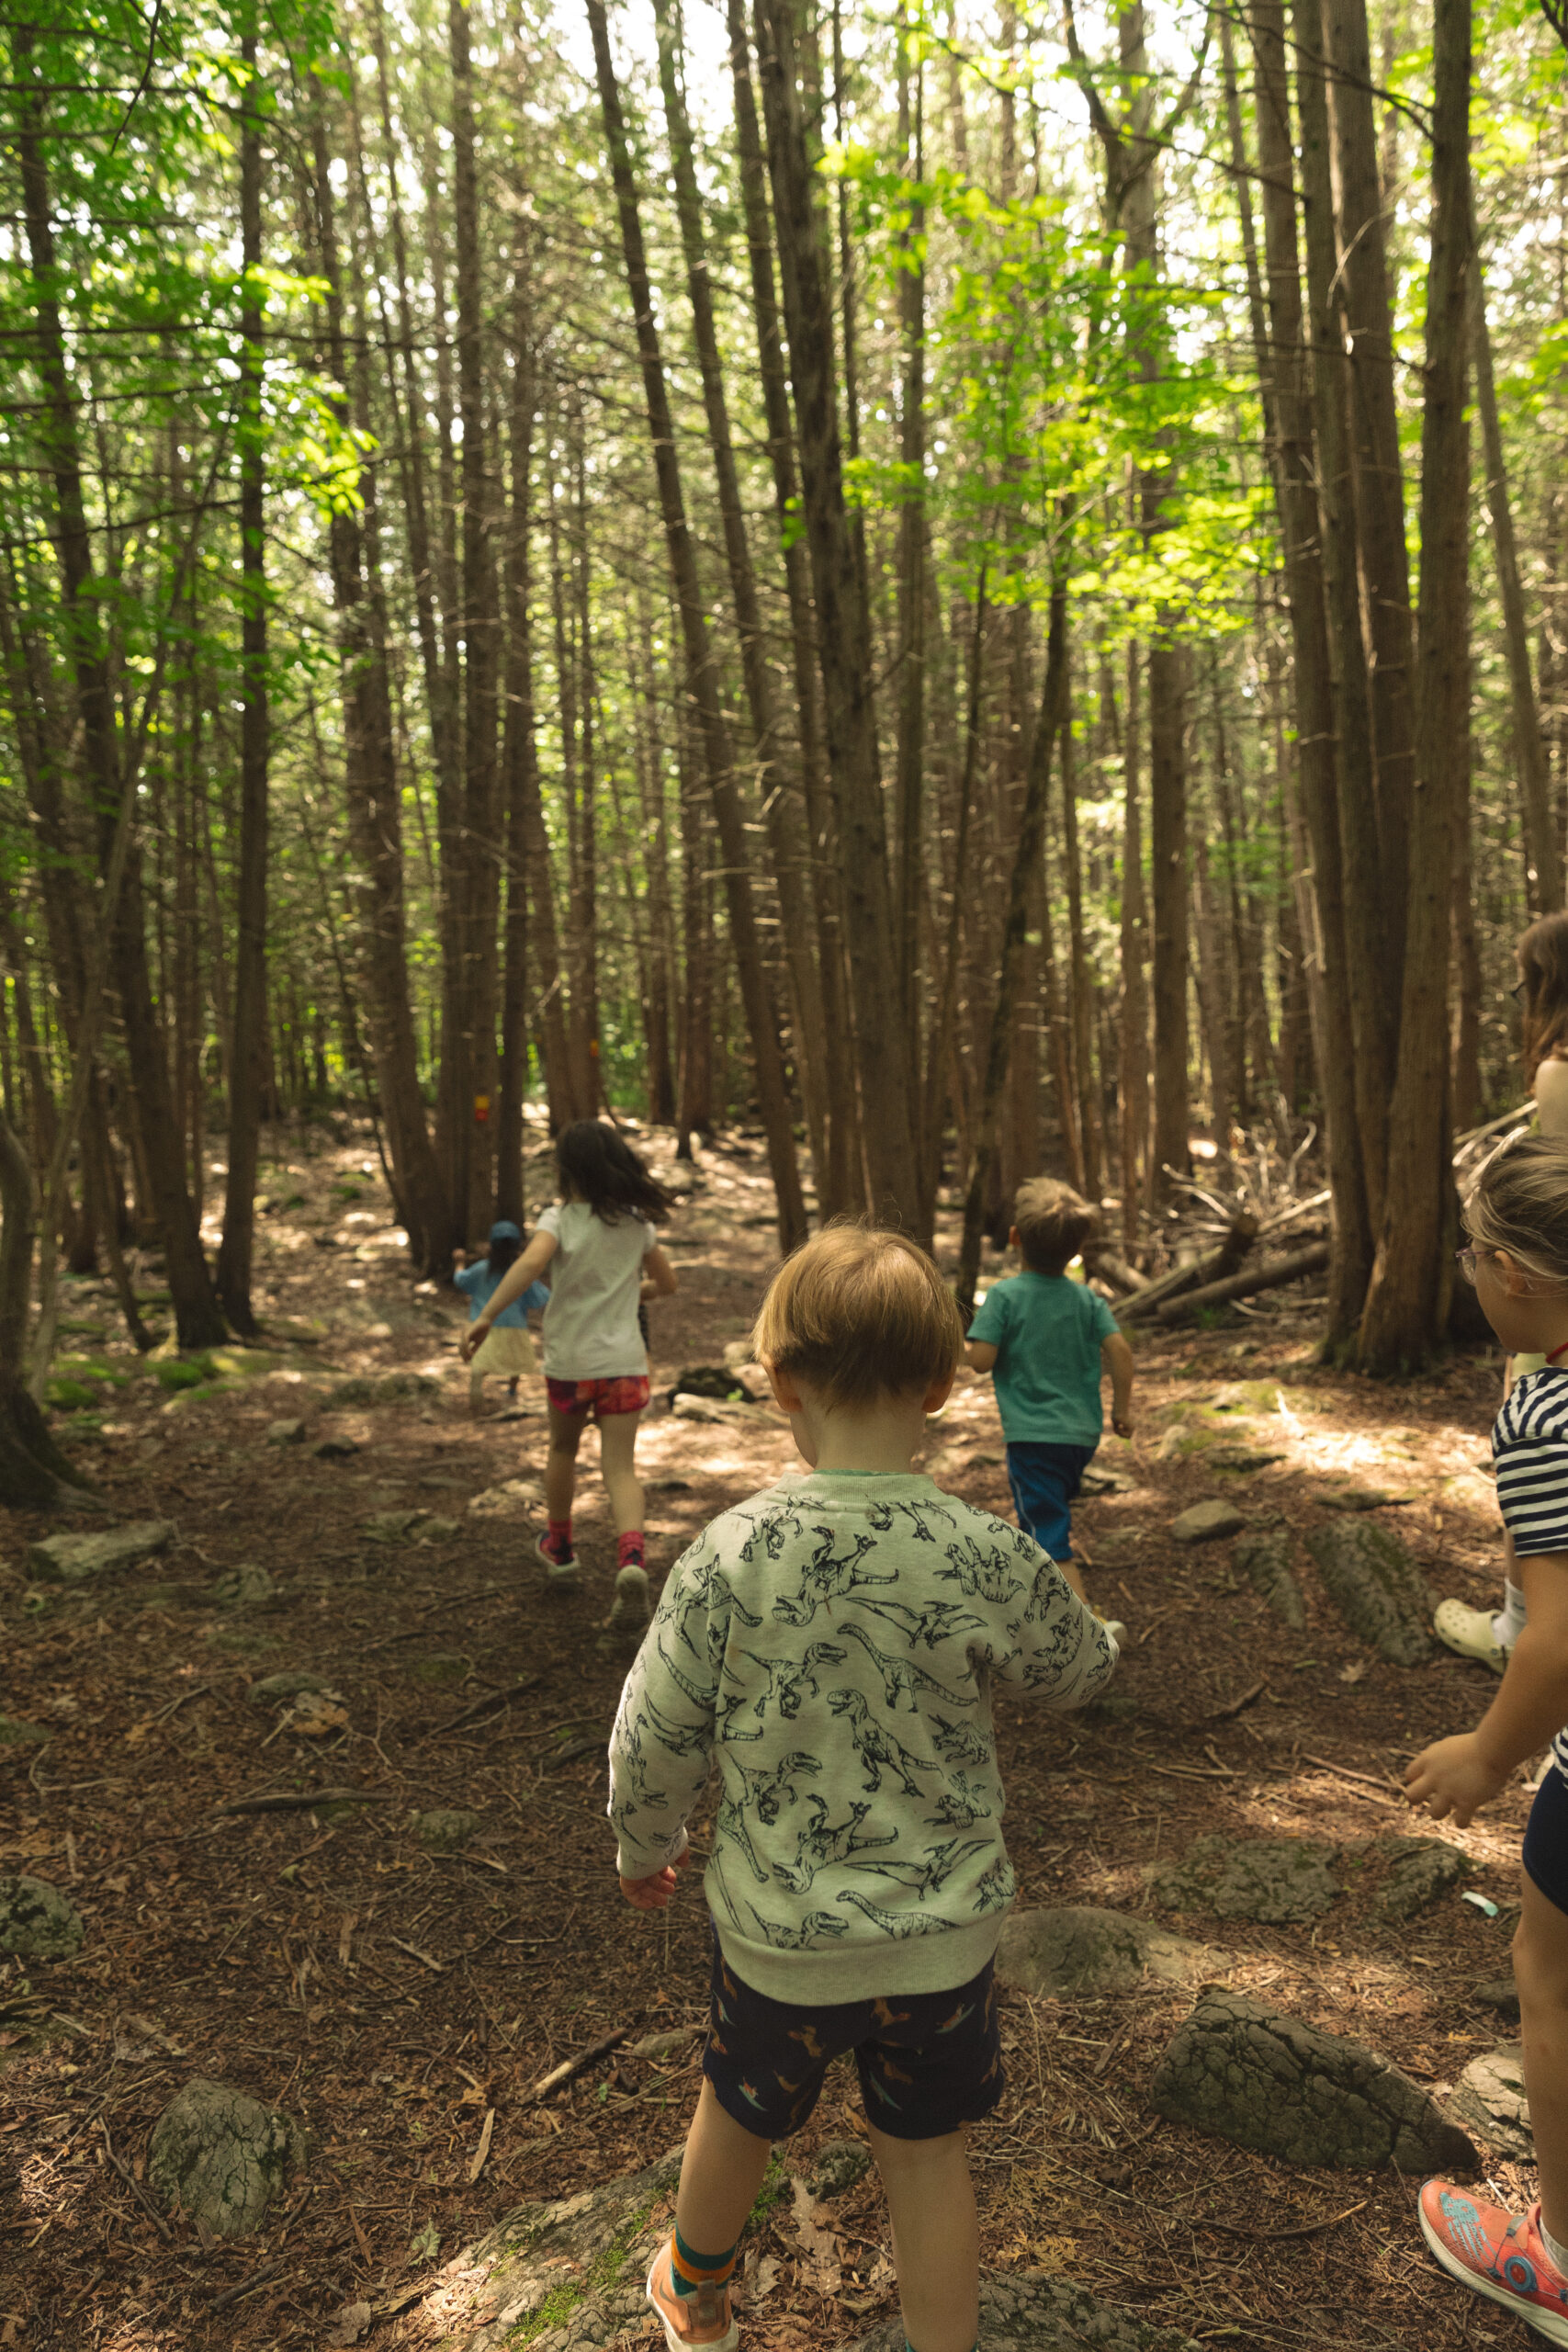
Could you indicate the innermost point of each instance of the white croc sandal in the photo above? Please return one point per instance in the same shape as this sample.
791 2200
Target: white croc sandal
1469 1633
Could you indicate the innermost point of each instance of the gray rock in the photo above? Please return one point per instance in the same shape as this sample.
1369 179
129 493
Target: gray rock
1278 1881
568 2276
73 1559
220 2158
273 1690
393 1389
410 1527
247 1587
37 1922
1420 1869
441 1666
286 1433
714 1380
1027 2312
1205 1522
837 2165
1242 1459
14 1733
1269 2082
1264 1558
1489 2099
1077 1950
335 1449
446 1828
720 1416
1500 1993
1375 1584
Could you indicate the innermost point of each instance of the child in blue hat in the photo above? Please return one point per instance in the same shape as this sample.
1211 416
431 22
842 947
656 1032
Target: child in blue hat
507 1349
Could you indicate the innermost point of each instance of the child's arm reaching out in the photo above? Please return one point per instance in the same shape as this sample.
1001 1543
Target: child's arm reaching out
663 1732
1460 1775
1117 1358
659 1278
512 1283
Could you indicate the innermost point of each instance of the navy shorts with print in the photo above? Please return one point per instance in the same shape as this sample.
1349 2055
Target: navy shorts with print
927 2061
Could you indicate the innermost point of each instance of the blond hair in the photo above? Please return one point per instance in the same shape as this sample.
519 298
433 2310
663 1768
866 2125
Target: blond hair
1054 1222
856 1314
1519 1203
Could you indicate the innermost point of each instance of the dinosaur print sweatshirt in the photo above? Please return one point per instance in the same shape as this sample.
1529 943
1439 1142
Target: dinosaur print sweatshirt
829 1647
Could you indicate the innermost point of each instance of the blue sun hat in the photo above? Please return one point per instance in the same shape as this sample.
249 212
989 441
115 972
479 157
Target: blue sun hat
504 1230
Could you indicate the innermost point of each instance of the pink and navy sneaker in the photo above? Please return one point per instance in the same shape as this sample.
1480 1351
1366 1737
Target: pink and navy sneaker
558 1555
1498 2254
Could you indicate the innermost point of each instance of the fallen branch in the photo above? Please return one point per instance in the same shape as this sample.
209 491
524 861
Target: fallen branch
1246 1285
290 1801
560 2076
134 2186
481 1707
1306 2229
1214 1266
1224 1715
1344 1772
270 2270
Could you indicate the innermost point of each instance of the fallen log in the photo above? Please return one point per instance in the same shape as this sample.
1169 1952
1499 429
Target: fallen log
1212 1266
1109 1268
1270 1275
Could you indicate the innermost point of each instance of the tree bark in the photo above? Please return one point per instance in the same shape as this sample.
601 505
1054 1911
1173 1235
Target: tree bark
701 681
1134 1078
520 766
245 1073
1407 1300
1082 987
843 639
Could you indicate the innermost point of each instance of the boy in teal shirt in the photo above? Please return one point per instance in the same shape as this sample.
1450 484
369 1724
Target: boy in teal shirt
1049 1341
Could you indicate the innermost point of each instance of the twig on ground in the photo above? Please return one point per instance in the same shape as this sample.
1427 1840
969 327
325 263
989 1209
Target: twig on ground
429 1958
293 1801
568 2072
481 1707
123 2169
1389 1787
1234 1706
268 2271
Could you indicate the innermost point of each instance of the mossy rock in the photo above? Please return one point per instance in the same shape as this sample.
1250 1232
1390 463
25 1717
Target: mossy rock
446 1828
1031 2311
95 1368
37 1922
1277 1880
570 2276
73 1559
182 1372
221 2158
1376 1587
440 1666
276 1690
68 1395
14 1733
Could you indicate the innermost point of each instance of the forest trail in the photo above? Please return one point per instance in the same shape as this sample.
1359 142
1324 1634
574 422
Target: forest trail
392 1994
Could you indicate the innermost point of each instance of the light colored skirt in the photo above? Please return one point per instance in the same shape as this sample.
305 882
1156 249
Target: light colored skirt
506 1352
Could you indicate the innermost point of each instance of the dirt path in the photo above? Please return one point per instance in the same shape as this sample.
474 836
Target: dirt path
391 1995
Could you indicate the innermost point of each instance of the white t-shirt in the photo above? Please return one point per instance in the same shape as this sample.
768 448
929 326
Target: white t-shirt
590 1328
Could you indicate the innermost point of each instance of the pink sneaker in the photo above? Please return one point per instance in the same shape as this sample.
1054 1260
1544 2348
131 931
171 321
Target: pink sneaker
1497 2254
558 1557
706 2318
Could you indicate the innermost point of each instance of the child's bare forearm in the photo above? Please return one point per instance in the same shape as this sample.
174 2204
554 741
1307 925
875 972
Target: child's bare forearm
1117 1357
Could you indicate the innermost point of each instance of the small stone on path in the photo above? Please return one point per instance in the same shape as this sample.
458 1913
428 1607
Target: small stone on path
73 1559
511 1500
1076 1951
446 1828
221 2158
1264 1558
1420 1870
1249 2075
837 2165
1277 1881
1489 2100
247 1587
440 1666
335 1449
273 1690
1500 1993
1376 1587
37 1922
286 1433
1028 2311
14 1733
1205 1522
709 1409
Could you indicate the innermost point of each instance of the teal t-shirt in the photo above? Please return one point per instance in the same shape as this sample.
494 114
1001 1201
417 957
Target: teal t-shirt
1047 1333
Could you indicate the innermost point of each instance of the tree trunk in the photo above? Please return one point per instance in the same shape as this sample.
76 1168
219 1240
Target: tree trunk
1465 1062
910 780
1407 1300
245 1073
660 994
1167 846
844 650
1543 864
701 681
520 766
32 1467
780 809
1026 859
1083 987
1135 1024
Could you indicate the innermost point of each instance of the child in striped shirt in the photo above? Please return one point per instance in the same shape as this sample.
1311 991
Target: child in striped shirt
1518 1220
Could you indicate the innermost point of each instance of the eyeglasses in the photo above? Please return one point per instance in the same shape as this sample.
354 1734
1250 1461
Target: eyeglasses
1465 1260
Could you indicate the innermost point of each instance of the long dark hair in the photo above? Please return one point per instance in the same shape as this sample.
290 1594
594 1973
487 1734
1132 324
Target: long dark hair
503 1253
598 1168
1543 967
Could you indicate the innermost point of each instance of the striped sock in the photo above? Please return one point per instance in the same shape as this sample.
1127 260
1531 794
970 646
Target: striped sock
688 2272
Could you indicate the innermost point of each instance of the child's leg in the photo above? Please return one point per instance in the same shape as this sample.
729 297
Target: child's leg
560 1464
721 2173
936 2238
617 1445
1039 1496
1541 1971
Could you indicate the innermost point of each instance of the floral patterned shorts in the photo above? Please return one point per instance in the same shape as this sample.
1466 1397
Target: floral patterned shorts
599 1398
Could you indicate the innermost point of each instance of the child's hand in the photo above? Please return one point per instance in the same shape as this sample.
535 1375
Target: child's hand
1454 1776
653 1893
1123 1424
473 1340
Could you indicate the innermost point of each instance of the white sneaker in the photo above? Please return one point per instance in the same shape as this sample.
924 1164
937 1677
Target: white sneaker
1470 1632
632 1609
1114 1626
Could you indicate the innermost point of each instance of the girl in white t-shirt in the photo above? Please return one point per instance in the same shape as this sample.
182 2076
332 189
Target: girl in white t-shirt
603 1259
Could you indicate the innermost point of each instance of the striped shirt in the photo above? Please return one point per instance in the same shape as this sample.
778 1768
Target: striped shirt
1530 1451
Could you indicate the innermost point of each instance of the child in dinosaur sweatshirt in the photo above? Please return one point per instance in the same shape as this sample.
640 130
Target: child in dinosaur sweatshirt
830 1647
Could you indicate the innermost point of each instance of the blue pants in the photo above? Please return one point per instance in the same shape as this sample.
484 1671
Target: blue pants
1044 1477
